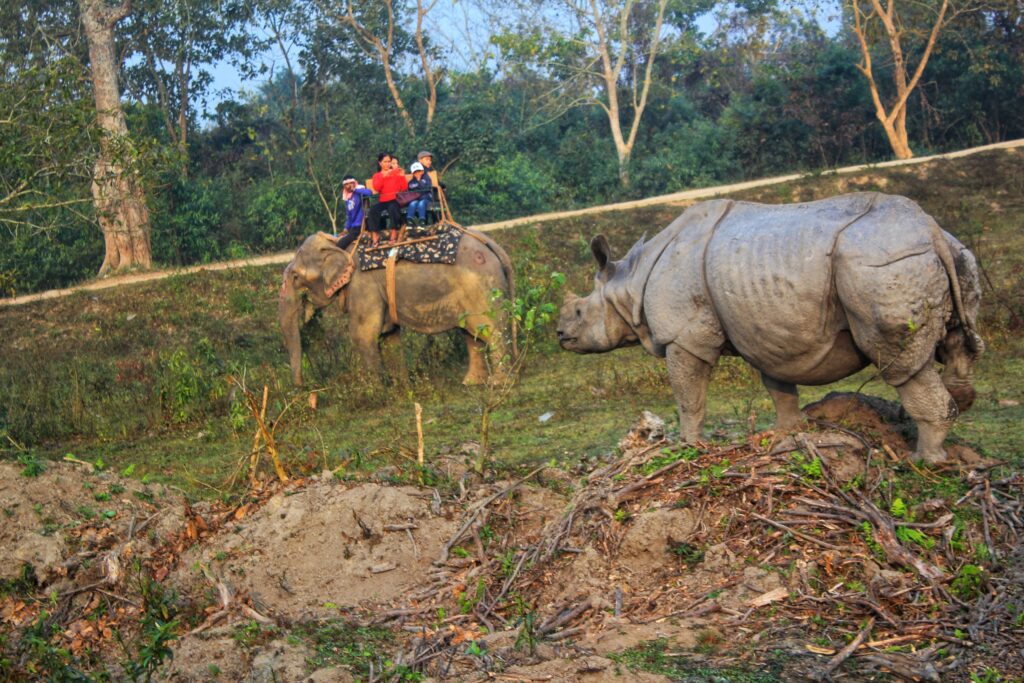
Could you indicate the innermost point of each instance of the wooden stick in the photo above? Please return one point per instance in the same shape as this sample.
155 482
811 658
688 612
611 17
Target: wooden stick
403 243
789 530
844 654
254 457
419 434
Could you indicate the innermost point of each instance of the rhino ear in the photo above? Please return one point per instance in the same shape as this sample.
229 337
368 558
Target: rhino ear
602 254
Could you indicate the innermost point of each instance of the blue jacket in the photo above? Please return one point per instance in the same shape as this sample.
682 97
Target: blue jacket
423 186
354 208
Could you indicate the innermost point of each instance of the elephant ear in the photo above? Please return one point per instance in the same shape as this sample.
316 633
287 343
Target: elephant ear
335 264
603 255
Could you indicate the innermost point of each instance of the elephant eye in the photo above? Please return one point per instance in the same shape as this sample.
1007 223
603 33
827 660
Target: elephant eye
579 313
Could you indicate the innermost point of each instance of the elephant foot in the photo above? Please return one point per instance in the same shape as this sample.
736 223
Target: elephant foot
473 379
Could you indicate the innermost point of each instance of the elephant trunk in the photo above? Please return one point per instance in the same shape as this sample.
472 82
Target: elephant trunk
289 312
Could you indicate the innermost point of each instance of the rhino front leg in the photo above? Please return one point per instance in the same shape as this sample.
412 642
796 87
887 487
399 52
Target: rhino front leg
689 377
927 401
787 403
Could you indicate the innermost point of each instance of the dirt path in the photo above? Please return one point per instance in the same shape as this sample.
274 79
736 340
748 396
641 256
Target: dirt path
687 195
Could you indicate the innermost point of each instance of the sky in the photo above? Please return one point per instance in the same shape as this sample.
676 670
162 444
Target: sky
462 28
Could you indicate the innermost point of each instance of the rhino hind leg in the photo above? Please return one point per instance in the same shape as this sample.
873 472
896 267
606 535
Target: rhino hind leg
689 377
933 409
787 403
958 361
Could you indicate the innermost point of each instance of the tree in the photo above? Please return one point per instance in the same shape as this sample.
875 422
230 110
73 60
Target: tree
377 29
873 22
177 43
605 57
117 192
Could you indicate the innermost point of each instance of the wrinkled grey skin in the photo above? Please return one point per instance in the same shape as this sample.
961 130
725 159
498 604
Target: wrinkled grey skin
431 298
806 293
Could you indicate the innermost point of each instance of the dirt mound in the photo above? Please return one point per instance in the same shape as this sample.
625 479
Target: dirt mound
875 419
328 546
68 512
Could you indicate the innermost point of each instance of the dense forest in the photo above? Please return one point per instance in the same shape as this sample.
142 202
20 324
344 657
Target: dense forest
119 150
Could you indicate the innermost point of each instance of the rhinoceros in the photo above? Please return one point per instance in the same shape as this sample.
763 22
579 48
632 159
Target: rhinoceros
806 293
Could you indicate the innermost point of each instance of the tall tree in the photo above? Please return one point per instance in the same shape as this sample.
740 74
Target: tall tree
880 25
177 42
596 52
116 188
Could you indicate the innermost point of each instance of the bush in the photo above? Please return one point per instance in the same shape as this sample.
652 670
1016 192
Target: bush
512 186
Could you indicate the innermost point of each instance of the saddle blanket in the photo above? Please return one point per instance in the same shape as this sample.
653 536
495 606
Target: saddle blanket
440 250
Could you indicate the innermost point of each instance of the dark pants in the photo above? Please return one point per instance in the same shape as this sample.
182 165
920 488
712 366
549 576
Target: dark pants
350 236
378 210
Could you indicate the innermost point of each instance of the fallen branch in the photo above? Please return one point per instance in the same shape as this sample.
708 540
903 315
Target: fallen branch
844 654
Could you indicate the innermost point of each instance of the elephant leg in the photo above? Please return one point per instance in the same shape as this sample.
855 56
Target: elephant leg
787 403
394 359
927 401
364 330
477 372
689 377
484 336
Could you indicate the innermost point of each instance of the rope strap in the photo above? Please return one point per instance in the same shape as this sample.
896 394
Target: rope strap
391 281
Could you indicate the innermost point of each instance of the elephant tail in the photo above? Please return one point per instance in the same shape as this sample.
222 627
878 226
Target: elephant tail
510 277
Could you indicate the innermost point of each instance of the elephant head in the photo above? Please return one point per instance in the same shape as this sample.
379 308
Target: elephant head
596 323
314 279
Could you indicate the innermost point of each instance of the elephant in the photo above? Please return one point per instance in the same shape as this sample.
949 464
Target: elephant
806 293
430 297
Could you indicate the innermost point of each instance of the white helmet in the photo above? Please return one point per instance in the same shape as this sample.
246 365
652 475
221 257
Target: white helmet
416 166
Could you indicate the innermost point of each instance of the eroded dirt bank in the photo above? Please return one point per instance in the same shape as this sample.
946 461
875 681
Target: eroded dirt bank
821 553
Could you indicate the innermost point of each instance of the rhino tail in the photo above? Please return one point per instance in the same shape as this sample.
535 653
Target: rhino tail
962 345
967 322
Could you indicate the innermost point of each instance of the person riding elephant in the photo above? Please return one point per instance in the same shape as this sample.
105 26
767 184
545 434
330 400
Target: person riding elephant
429 298
387 182
352 194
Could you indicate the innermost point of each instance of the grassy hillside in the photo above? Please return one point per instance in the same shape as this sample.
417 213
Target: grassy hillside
150 375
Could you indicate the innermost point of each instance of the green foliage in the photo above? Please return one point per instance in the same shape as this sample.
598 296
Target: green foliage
189 379
31 464
669 456
690 554
655 657
808 466
157 630
969 582
867 532
916 536
338 643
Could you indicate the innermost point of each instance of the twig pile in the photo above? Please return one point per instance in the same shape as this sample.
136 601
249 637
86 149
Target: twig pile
868 568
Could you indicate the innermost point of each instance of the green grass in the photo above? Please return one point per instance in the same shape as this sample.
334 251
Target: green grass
138 376
654 657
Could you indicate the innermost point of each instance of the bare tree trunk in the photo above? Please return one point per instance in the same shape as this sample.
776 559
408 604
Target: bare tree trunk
893 117
376 48
117 194
611 72
428 73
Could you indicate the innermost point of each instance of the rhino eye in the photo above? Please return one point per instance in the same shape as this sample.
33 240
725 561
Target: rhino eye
579 312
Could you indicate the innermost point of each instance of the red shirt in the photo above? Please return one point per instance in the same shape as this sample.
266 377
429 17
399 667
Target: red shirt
389 184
